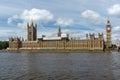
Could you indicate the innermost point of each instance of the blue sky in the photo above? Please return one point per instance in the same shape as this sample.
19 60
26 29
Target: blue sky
76 17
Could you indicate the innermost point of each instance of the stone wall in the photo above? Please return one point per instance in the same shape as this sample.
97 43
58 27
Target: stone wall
89 44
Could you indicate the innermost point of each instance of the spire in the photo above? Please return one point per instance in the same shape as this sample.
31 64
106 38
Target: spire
59 31
86 36
32 24
108 21
27 24
35 25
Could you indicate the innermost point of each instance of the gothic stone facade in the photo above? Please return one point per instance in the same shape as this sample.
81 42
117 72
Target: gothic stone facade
61 42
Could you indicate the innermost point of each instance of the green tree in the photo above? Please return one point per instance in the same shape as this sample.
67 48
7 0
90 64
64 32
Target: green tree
3 45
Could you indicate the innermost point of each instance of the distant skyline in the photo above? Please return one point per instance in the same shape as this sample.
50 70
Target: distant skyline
76 17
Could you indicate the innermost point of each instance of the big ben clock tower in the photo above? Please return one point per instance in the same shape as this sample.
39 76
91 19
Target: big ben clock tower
108 34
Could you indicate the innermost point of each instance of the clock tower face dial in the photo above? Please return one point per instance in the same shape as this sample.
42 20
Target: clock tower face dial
108 28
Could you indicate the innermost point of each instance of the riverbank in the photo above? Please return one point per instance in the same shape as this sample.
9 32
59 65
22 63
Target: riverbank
59 50
4 50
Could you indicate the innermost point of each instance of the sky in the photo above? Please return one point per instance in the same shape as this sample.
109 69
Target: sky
76 17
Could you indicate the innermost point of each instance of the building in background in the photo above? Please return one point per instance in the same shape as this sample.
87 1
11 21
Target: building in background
117 43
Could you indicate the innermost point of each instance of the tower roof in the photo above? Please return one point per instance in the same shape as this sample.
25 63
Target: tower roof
59 29
108 21
32 24
27 24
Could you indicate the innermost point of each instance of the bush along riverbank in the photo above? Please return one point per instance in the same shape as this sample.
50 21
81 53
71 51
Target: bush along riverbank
3 45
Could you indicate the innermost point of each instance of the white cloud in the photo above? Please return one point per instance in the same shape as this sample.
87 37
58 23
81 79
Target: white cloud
116 29
115 33
65 22
92 16
22 25
4 34
10 20
114 10
36 15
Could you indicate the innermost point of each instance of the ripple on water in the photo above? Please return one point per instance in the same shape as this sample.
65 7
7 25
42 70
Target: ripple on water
56 66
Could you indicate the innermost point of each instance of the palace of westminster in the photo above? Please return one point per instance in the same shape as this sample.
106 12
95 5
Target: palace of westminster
62 41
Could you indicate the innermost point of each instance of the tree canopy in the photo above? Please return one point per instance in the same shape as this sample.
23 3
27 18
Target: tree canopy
3 45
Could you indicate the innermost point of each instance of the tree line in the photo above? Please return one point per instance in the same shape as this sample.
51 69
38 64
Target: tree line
4 45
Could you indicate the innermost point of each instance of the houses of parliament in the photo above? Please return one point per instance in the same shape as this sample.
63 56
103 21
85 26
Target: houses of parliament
61 42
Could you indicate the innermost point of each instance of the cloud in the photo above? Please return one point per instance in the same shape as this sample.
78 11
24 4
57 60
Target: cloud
115 33
4 34
92 16
22 25
10 20
64 22
35 15
114 10
116 29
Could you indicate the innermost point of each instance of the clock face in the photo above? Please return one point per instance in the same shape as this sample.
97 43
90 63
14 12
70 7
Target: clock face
108 28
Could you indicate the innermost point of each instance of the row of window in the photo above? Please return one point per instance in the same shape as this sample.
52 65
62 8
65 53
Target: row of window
62 45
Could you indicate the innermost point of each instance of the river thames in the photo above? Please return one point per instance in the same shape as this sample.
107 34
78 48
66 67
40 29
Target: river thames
60 66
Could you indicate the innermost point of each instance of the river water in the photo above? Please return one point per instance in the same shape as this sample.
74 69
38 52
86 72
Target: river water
60 66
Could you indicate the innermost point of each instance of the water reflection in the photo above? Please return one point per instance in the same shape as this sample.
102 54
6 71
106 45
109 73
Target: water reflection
59 66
